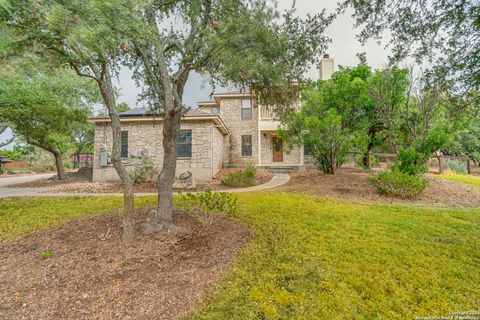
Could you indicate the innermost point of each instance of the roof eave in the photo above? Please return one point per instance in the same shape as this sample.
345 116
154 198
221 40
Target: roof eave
215 118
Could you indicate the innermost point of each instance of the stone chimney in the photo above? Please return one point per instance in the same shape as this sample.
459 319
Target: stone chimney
326 67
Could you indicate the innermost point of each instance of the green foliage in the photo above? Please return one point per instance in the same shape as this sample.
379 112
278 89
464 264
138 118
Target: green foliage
83 138
206 206
144 171
47 254
123 106
255 49
332 119
387 88
468 141
360 164
396 183
241 179
19 152
427 37
310 258
42 106
412 162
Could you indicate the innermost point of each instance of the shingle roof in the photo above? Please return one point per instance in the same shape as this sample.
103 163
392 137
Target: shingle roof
143 112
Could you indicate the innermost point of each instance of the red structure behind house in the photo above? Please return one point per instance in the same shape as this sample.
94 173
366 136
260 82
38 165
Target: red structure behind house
81 160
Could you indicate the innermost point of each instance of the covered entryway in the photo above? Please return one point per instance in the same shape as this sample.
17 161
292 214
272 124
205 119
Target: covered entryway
277 144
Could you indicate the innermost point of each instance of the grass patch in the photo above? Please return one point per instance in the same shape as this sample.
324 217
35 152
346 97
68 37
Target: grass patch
314 258
460 178
323 259
24 216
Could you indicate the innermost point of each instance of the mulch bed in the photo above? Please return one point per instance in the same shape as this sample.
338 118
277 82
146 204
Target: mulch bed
352 184
93 275
78 184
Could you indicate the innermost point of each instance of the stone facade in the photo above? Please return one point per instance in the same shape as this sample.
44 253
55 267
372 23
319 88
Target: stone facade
145 140
217 128
290 157
231 114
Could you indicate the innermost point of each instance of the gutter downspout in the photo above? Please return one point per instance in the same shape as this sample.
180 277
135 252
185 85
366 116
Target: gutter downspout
211 158
259 136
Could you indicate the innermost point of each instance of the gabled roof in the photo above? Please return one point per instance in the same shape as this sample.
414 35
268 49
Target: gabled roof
207 103
144 114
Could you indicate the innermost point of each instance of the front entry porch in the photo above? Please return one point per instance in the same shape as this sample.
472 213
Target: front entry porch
274 153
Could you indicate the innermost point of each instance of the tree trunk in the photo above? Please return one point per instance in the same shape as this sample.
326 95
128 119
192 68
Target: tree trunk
171 128
367 156
108 95
331 161
57 154
59 164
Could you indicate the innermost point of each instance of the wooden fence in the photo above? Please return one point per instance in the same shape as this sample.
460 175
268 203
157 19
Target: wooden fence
437 164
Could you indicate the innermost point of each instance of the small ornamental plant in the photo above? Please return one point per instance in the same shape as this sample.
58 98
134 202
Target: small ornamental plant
241 179
206 206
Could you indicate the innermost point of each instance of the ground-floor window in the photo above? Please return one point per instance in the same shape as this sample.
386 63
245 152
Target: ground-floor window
124 138
307 150
184 148
246 145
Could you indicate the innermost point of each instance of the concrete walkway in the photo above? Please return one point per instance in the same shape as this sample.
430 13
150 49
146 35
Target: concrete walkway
277 180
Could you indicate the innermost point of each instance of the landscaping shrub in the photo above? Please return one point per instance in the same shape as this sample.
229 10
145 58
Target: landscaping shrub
412 162
144 171
205 206
241 179
396 183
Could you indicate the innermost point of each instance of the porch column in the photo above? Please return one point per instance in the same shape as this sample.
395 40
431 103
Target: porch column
302 155
259 118
259 147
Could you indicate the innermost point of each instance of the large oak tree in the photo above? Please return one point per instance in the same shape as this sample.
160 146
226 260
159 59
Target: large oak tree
243 43
44 106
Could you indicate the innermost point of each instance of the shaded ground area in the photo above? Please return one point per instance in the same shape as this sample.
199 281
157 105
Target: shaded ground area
91 275
78 176
352 184
80 182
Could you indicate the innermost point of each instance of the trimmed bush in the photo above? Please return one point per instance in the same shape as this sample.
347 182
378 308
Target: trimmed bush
205 206
396 183
412 162
241 179
143 171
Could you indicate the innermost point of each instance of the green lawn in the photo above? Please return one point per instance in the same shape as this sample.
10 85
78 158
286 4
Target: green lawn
461 178
322 259
23 216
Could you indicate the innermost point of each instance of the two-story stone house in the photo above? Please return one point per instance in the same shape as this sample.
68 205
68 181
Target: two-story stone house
228 131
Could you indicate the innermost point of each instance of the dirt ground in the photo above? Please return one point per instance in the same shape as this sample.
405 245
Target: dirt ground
93 275
351 184
81 183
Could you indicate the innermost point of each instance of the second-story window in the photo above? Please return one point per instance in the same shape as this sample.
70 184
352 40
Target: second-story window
246 109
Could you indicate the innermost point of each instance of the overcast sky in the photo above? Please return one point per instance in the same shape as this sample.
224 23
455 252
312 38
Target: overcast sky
343 49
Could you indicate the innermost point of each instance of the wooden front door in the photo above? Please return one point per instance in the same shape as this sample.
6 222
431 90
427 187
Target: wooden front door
277 144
